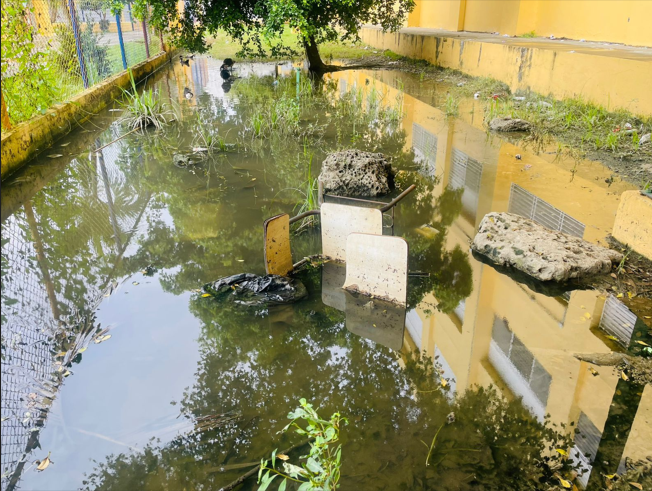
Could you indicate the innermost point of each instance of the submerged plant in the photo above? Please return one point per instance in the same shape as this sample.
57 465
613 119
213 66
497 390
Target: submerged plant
321 468
145 109
308 192
452 105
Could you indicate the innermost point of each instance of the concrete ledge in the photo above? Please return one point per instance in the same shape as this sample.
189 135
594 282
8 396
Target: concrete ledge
633 225
613 78
31 137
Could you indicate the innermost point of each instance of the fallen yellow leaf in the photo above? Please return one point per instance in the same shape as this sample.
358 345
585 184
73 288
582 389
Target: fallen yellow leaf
564 483
620 295
587 315
282 456
206 295
624 376
642 342
82 350
562 452
611 476
444 383
636 485
43 464
101 339
593 371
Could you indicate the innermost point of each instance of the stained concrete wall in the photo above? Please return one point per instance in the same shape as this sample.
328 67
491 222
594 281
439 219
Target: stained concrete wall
598 76
616 21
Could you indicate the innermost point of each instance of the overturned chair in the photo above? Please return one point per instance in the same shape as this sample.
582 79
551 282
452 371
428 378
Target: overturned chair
375 264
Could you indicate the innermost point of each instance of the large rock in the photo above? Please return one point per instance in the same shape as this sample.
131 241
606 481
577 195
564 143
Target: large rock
547 255
509 124
356 173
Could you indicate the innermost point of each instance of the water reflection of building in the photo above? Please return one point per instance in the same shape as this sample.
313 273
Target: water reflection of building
504 333
43 305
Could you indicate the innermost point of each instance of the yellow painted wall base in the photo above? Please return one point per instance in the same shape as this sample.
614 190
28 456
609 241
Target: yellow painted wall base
633 225
602 78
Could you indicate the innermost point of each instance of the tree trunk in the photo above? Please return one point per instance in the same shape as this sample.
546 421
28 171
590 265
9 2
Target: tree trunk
315 64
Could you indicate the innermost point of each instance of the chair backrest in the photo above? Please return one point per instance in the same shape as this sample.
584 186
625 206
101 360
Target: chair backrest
338 221
377 265
278 255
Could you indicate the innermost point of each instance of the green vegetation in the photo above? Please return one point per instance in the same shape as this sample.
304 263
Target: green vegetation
452 106
581 125
29 78
530 35
321 470
145 109
258 25
222 46
582 128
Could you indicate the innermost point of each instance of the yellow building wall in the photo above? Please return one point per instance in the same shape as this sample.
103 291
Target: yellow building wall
491 16
616 21
438 14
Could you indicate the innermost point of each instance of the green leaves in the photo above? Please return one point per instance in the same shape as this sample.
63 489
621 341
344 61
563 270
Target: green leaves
257 22
266 481
321 470
313 466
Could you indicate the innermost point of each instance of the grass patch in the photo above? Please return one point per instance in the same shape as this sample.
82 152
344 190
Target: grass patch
581 128
134 50
528 35
580 124
222 46
144 109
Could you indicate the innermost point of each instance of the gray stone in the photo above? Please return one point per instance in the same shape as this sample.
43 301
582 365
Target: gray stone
547 255
182 160
356 173
645 138
509 124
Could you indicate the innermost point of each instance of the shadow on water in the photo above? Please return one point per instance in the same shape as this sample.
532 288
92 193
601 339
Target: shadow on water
110 353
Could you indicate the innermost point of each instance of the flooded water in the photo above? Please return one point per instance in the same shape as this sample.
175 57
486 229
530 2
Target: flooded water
111 358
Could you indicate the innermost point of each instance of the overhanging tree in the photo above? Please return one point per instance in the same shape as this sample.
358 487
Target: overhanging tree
254 23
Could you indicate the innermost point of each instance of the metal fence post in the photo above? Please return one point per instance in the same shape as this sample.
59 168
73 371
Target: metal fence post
118 21
6 122
78 45
146 37
131 17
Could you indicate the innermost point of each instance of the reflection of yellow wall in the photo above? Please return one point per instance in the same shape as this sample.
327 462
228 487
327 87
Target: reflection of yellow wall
618 21
563 72
639 443
634 222
552 329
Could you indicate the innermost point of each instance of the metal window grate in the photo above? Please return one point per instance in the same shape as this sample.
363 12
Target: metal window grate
588 437
617 320
424 145
466 173
522 359
526 204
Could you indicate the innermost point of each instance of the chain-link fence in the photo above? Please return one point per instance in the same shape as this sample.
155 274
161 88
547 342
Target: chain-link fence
61 253
53 49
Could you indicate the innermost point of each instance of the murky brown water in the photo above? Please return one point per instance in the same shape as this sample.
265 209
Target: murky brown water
121 240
